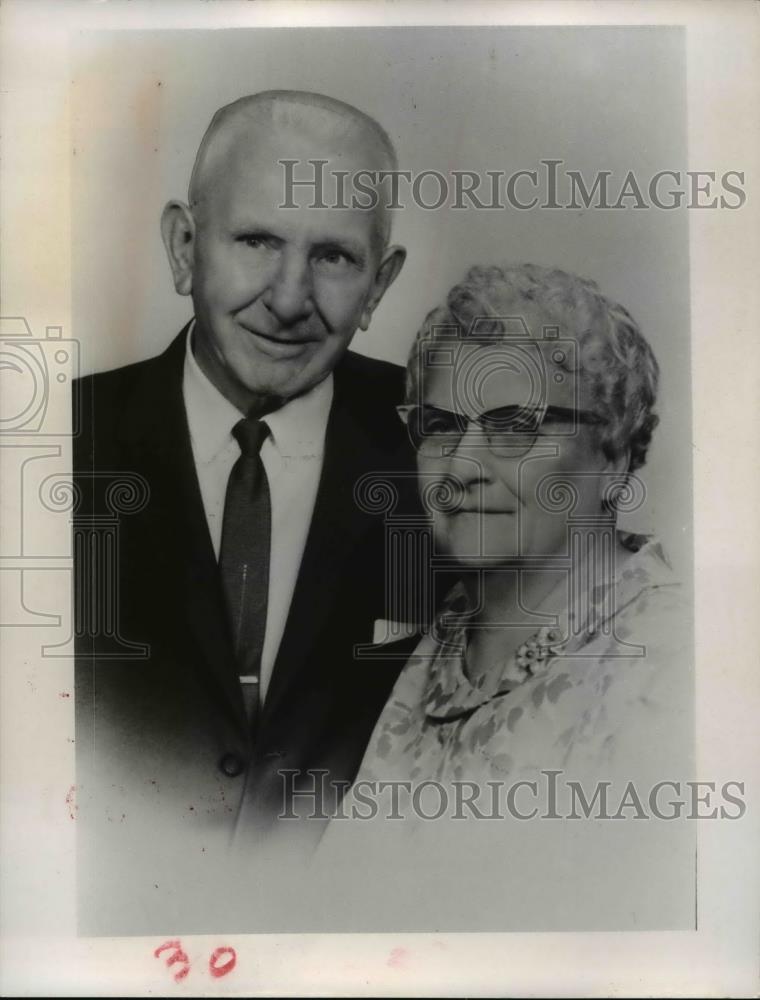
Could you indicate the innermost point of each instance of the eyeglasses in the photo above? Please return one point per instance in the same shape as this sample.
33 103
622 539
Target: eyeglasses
510 431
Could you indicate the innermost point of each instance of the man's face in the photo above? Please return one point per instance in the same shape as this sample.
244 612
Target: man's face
278 293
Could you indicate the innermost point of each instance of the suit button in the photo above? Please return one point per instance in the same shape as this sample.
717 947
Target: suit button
231 765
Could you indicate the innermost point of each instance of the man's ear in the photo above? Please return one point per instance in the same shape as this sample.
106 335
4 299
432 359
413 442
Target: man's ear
387 272
178 234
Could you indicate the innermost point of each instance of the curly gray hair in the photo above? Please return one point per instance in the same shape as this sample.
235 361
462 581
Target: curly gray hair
616 363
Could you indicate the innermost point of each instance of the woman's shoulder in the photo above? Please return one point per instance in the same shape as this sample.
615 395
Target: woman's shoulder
645 556
645 582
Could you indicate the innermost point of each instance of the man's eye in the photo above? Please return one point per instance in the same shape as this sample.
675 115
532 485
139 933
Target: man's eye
333 259
256 241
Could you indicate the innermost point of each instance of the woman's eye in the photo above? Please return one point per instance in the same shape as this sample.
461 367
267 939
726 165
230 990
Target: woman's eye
437 425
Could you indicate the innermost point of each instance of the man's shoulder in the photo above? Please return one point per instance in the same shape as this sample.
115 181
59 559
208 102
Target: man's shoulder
364 375
109 391
114 380
364 363
99 402
367 392
109 408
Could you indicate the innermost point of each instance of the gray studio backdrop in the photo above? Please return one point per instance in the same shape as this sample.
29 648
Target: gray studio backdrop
452 99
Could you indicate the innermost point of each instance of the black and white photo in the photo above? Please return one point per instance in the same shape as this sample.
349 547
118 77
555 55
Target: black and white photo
369 531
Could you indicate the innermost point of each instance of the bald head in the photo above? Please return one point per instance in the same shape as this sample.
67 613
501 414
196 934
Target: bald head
306 125
280 288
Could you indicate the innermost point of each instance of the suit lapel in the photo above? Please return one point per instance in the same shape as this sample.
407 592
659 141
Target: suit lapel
154 428
337 525
155 433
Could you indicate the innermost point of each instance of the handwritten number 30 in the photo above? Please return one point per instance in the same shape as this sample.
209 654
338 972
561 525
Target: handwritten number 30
222 960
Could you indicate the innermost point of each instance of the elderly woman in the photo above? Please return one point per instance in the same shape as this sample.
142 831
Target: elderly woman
530 406
554 683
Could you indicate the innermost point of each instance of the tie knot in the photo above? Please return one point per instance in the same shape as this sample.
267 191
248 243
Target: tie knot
250 434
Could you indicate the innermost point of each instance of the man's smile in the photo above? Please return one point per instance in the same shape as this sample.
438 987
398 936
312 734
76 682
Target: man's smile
278 346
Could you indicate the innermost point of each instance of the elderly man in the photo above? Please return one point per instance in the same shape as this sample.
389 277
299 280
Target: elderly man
251 573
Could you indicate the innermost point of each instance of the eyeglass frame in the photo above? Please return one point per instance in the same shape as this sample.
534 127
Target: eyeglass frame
563 415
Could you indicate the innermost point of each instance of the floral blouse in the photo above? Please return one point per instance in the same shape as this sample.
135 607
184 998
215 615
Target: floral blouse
614 701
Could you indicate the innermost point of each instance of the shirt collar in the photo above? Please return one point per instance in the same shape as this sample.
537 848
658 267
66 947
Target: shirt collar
297 428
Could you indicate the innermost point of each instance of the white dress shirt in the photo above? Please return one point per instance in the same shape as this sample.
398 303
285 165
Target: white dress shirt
292 457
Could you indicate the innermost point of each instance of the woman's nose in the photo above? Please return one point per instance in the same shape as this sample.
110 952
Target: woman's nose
289 295
469 460
472 442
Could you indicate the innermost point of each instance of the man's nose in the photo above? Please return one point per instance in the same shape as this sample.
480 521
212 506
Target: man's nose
289 295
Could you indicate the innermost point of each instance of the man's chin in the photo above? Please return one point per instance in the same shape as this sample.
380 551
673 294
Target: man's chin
283 385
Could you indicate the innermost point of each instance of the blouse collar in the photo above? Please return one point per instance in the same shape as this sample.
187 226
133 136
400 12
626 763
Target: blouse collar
450 694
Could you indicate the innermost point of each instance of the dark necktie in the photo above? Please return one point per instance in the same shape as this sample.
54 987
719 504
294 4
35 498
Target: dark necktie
244 557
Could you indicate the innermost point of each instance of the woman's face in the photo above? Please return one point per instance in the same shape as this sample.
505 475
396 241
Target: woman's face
500 509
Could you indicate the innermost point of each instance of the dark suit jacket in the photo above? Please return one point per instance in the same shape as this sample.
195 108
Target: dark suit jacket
165 733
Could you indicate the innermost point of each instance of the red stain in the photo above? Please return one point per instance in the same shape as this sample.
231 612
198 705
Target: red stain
217 970
70 801
64 694
398 957
178 955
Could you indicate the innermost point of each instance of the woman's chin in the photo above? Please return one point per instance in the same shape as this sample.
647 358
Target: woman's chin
478 540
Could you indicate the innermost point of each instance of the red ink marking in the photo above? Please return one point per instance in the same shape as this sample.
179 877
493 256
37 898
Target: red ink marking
70 796
217 970
178 955
398 958
64 694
